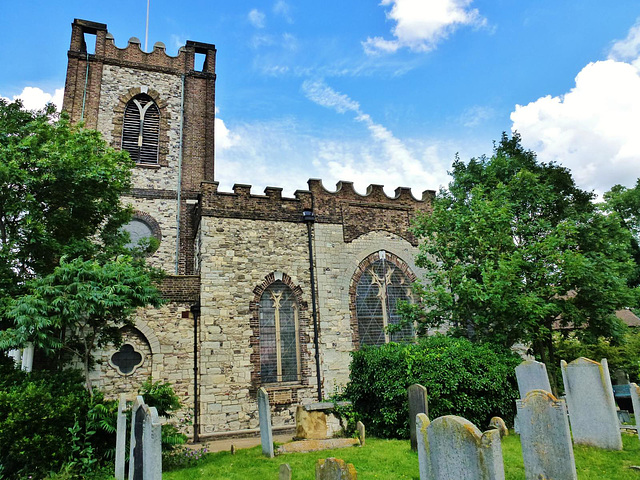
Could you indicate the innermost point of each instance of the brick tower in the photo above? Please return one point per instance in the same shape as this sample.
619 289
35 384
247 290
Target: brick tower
159 108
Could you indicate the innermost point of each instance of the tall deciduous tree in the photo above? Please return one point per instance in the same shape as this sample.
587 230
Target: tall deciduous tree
82 305
513 248
60 189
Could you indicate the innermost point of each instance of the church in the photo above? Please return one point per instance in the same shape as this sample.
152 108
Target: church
262 290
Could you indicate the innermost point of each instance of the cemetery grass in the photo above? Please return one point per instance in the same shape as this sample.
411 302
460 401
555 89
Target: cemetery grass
393 459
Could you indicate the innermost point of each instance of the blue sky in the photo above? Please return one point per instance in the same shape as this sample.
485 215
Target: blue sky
377 92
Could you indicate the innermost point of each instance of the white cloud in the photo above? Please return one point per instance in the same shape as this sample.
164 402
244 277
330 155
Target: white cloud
34 98
420 25
592 129
282 8
256 18
225 139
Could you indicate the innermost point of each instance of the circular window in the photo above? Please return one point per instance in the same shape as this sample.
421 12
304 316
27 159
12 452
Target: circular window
138 231
144 233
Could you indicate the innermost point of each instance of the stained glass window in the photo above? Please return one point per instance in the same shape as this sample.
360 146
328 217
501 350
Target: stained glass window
126 359
379 289
279 349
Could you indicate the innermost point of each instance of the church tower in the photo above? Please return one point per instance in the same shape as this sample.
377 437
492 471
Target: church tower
159 108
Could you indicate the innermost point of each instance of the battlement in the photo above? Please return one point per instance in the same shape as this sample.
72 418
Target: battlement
243 204
133 56
374 193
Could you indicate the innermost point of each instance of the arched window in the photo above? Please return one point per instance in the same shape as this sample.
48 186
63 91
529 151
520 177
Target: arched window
141 129
279 334
381 285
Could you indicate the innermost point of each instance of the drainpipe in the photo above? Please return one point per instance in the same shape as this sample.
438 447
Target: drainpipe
195 313
309 218
179 193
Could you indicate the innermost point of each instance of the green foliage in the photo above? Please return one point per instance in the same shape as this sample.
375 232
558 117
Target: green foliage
513 246
87 300
162 396
475 381
182 457
60 189
624 355
46 424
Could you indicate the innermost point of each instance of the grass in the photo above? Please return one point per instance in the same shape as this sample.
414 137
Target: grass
393 459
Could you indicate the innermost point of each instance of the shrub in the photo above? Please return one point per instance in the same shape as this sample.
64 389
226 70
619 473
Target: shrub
474 381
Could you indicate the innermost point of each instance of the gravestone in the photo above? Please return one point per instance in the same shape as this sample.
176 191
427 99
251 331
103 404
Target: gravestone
310 424
418 403
285 472
264 414
532 375
335 469
545 437
498 424
361 432
592 408
145 457
424 457
454 449
121 437
635 401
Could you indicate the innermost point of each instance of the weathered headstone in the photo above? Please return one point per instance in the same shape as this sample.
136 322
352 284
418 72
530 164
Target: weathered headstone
532 375
284 472
592 408
361 432
335 469
424 455
498 424
145 457
264 414
121 437
454 449
418 403
635 401
310 424
546 440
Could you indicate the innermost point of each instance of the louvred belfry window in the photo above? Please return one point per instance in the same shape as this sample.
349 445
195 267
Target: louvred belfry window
279 333
141 130
380 288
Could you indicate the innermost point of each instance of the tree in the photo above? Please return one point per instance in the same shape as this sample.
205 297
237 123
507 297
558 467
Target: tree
82 305
514 248
60 189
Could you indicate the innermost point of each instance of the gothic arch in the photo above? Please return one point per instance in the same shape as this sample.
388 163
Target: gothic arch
118 122
366 263
303 336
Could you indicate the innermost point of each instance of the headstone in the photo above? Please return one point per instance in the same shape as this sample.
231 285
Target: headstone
592 408
424 456
620 377
335 469
145 457
532 375
310 424
545 437
264 414
285 472
121 437
418 403
233 449
498 424
361 432
454 449
635 401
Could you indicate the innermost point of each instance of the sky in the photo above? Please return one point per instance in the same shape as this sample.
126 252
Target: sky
376 92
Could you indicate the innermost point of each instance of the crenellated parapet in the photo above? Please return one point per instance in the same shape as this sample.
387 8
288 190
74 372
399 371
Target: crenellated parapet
132 55
361 214
241 203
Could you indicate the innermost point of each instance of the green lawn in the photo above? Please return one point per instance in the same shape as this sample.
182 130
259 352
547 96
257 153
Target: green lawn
393 459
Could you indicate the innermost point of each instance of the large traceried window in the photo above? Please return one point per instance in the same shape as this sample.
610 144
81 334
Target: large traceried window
279 334
380 287
141 130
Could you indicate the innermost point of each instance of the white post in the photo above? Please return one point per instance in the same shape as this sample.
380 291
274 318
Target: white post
27 357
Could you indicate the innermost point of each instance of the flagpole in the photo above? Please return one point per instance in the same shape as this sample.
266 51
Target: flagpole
146 33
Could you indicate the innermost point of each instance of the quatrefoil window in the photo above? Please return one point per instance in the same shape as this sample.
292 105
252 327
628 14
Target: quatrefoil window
127 359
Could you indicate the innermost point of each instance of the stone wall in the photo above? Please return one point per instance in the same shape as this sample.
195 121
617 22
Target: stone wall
237 257
336 263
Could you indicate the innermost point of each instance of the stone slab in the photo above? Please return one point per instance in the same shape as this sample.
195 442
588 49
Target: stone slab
418 403
264 414
335 469
532 375
318 445
310 425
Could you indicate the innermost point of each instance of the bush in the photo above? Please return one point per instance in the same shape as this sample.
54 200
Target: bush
474 381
